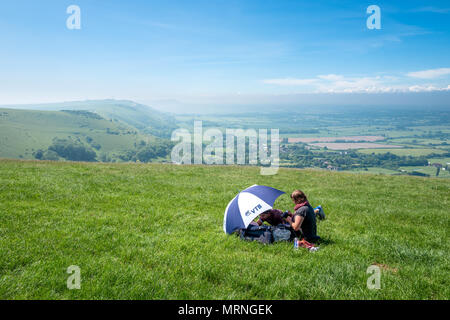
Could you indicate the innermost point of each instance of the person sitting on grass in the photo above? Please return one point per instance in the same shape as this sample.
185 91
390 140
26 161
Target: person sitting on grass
303 221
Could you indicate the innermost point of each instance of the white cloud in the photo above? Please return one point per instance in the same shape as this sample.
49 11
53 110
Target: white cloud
332 77
358 84
290 81
333 83
429 88
429 74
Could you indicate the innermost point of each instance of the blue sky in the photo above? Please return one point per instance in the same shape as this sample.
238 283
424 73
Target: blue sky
199 51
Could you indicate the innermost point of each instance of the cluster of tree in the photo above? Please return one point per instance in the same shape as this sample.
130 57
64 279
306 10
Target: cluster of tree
93 144
84 113
160 149
75 150
46 155
72 150
302 157
143 152
67 149
109 131
420 174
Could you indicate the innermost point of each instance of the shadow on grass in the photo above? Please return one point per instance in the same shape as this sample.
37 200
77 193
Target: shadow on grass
325 242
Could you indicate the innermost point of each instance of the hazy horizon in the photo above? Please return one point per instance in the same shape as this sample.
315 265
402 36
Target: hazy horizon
362 102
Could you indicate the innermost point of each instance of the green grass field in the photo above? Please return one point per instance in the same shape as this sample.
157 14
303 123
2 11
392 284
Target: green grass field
418 141
376 170
153 231
442 161
404 151
428 170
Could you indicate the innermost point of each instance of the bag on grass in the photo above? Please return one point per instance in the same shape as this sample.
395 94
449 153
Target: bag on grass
262 234
282 233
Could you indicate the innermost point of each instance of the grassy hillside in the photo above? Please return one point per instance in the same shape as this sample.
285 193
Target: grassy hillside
133 114
152 231
24 131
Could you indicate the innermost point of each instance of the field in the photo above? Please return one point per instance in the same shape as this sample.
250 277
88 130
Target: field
376 170
430 170
404 151
336 139
154 231
427 170
352 145
415 141
442 161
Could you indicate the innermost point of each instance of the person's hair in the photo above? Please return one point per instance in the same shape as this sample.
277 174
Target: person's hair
299 196
264 215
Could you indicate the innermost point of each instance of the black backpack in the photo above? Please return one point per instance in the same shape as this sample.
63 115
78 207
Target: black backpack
262 234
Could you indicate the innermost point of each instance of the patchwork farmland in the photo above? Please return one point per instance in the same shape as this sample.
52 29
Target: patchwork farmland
355 145
336 139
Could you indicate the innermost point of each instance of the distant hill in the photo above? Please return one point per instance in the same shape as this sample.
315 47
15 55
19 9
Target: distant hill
23 132
140 116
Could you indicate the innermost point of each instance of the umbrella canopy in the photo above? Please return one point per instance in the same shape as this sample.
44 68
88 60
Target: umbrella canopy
247 205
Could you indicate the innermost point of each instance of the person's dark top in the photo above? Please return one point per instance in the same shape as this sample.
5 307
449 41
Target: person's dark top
274 217
308 227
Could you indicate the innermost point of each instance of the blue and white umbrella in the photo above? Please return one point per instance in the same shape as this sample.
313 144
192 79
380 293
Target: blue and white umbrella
247 205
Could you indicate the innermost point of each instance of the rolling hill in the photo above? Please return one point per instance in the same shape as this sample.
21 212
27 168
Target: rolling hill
111 127
142 117
154 231
22 132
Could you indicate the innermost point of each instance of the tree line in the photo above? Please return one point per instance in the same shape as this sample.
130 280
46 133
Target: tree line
301 157
71 149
